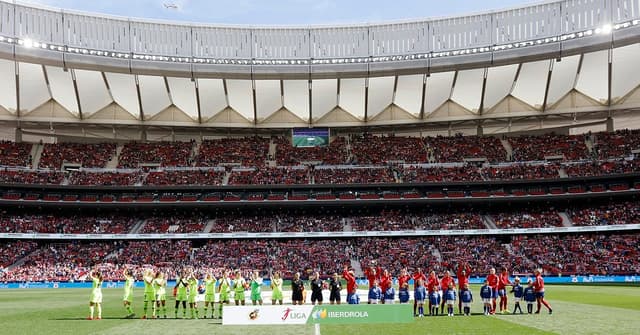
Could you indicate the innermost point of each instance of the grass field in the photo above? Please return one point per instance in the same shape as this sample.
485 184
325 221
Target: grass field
577 310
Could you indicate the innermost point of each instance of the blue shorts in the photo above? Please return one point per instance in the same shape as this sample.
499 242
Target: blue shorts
353 298
540 294
494 294
502 292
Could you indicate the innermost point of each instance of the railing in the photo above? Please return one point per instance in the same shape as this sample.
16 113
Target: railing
100 35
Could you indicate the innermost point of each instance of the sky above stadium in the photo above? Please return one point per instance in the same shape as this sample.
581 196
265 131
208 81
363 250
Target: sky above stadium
282 12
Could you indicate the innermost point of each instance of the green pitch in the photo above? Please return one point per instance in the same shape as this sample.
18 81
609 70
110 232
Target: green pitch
577 310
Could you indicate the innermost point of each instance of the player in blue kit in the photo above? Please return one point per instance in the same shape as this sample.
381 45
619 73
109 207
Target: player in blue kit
419 295
450 298
529 296
466 298
375 294
486 293
389 295
434 301
518 293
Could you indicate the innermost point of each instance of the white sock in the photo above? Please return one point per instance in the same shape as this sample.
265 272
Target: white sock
91 310
100 311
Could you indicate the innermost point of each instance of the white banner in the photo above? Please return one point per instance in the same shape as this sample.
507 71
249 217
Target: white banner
266 315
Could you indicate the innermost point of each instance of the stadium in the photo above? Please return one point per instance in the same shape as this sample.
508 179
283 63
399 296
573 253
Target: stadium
508 138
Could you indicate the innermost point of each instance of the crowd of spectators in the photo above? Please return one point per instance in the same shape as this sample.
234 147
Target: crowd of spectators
613 213
521 172
540 147
174 224
15 154
185 177
600 168
12 251
620 143
353 175
66 223
333 154
172 154
580 254
395 220
556 254
87 155
529 219
379 150
39 177
106 178
248 151
270 176
436 174
444 149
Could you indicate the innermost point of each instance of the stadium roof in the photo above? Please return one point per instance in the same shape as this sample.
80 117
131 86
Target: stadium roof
560 63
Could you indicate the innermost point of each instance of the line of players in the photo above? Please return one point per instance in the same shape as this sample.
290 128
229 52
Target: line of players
441 292
438 292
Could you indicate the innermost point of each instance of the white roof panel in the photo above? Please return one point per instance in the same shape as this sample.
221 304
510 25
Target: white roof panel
592 80
532 82
33 88
62 90
380 94
438 90
296 97
500 80
183 95
352 96
563 78
626 72
154 95
241 97
212 99
123 90
92 91
409 93
468 90
267 97
8 85
324 97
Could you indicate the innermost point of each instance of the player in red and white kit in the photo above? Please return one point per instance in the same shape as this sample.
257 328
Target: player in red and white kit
503 282
538 287
492 281
445 281
403 286
463 274
433 285
418 275
385 281
372 273
352 287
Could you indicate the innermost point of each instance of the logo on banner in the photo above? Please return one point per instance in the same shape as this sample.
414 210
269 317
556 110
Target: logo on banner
254 314
293 315
319 314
